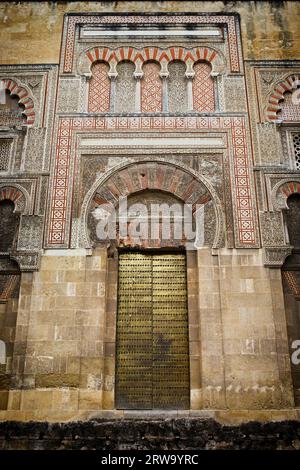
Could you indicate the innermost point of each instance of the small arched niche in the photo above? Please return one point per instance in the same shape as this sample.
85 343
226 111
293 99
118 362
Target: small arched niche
99 88
151 88
203 88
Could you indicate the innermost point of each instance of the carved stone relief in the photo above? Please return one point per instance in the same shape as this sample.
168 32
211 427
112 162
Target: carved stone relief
68 95
162 176
272 230
274 257
30 233
269 144
125 88
34 149
177 87
235 94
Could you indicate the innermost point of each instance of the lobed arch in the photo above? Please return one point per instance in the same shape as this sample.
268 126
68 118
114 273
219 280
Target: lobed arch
275 98
24 95
162 56
163 175
282 190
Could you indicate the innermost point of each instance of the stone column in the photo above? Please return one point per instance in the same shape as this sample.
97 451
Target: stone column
165 95
85 104
138 77
217 88
112 101
190 93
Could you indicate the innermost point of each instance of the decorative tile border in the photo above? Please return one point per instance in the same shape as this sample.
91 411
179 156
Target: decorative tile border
73 21
245 215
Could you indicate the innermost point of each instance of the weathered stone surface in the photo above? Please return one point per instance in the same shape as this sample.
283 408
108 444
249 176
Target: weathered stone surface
158 434
270 29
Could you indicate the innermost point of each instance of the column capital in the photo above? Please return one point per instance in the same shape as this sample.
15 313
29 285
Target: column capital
164 75
190 75
138 75
112 75
87 76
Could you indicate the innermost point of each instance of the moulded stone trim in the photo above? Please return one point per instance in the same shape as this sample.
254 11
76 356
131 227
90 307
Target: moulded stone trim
274 257
28 261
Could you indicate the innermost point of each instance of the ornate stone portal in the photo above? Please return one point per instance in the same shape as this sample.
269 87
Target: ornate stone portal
155 109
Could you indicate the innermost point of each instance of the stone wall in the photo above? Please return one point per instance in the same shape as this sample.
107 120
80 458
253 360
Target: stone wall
242 324
64 352
61 349
31 33
151 434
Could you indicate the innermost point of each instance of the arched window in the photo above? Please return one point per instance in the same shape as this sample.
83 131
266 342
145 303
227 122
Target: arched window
177 87
99 89
203 88
125 88
151 89
290 110
11 111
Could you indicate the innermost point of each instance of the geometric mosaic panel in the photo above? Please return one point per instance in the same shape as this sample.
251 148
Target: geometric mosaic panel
99 89
151 89
296 142
5 145
203 88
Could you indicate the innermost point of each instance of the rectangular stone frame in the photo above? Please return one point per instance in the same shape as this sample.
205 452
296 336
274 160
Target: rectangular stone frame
71 22
245 217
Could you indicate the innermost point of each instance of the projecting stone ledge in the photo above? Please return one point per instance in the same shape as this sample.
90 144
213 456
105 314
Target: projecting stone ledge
164 434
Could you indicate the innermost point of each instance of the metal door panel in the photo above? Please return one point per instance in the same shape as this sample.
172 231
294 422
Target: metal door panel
152 366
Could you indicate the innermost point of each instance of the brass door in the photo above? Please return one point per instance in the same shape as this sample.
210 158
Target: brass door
152 363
